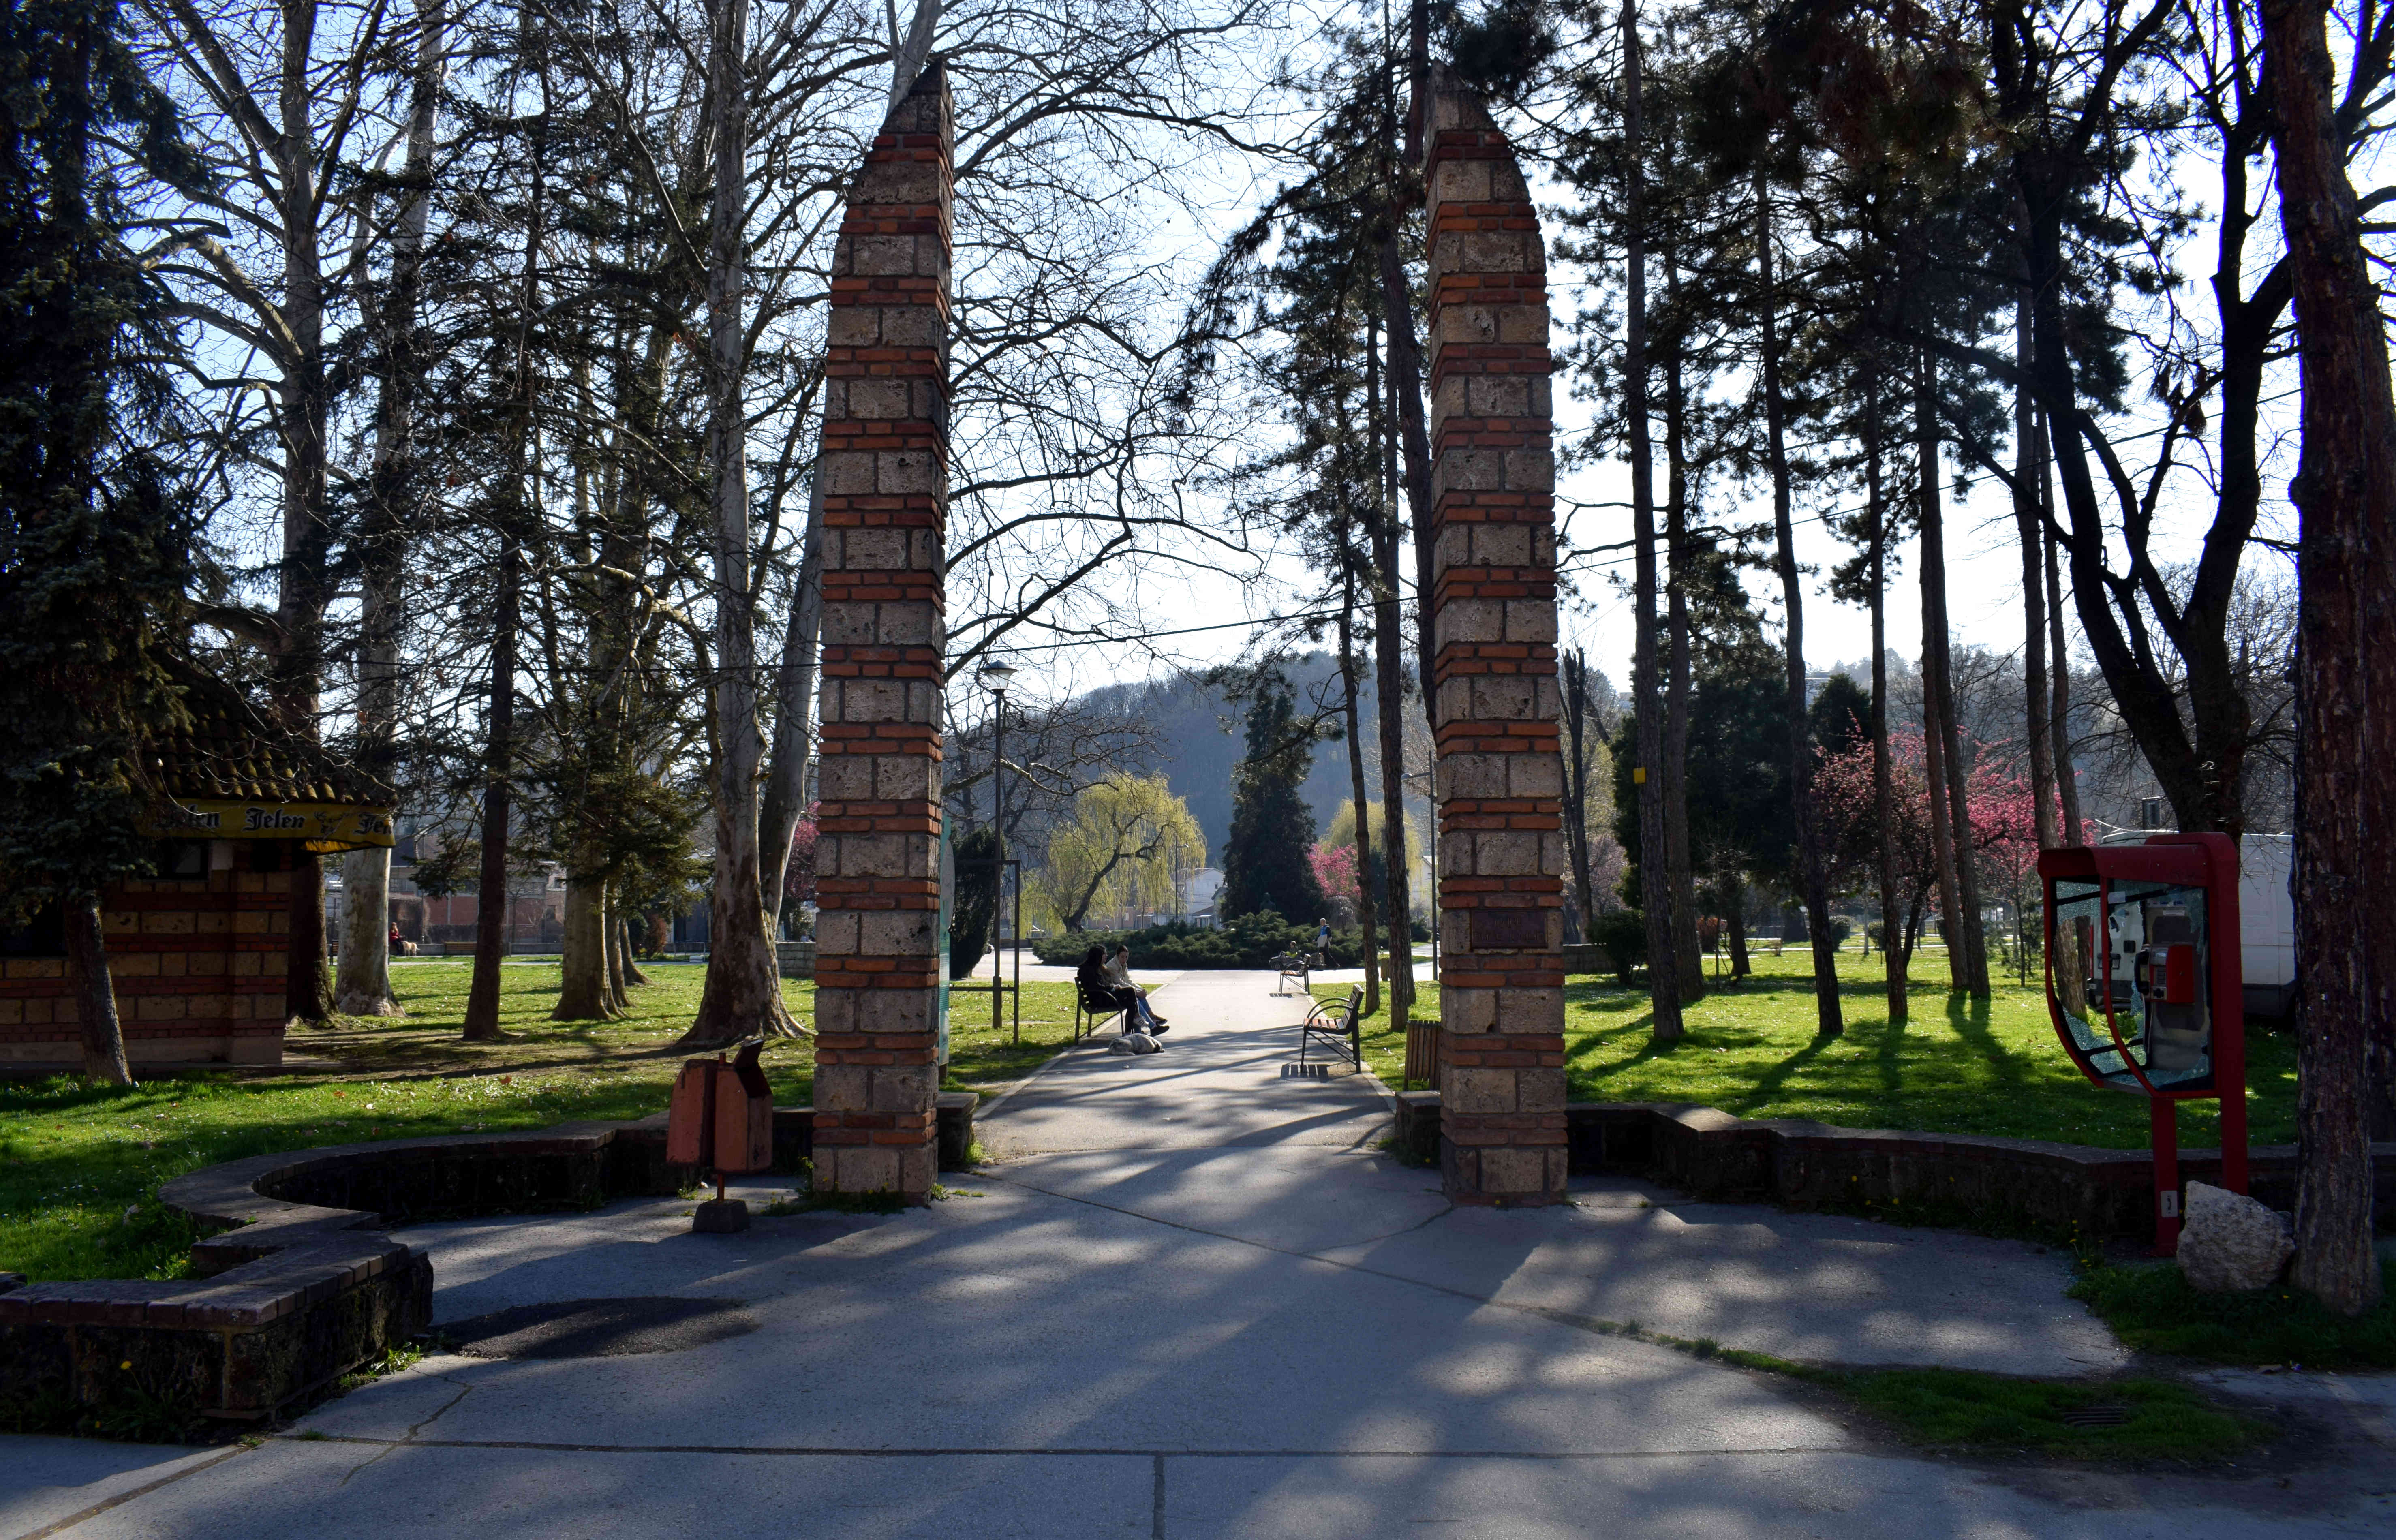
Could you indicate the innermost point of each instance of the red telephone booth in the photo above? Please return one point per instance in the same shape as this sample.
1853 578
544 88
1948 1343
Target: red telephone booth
2143 983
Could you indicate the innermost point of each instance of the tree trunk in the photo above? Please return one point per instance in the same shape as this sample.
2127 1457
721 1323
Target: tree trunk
2058 738
743 997
303 399
1576 714
482 1023
2027 473
2345 493
1828 1019
1654 891
1356 782
1894 950
1735 922
363 973
103 1034
612 933
1405 373
584 993
362 981
1389 680
1679 876
794 692
1933 676
631 962
1406 393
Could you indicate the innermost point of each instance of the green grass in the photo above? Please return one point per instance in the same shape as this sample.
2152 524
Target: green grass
1958 1408
74 1159
1956 1067
2151 1308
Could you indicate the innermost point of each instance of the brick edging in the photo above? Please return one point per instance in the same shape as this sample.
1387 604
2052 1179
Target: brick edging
2042 1184
294 1290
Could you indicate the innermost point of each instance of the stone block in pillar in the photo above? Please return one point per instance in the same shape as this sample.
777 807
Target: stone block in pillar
1499 777
884 476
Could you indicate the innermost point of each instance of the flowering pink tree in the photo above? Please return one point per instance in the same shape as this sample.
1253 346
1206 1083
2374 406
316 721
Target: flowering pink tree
1335 867
1998 805
799 876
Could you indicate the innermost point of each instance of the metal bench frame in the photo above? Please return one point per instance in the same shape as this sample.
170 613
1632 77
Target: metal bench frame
1336 1025
1093 1011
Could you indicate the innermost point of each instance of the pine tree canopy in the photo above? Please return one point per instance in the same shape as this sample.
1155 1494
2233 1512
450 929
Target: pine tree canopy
1265 864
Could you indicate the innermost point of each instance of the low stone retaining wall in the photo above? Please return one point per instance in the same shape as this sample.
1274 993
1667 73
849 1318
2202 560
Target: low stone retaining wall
295 1289
797 959
1716 1157
1587 957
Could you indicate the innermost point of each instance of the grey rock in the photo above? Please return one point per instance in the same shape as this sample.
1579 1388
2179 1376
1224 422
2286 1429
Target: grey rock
2230 1242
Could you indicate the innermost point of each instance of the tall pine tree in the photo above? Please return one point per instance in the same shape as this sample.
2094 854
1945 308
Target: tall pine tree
95 544
1265 864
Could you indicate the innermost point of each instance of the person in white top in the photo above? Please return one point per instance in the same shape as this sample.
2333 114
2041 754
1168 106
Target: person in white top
1119 973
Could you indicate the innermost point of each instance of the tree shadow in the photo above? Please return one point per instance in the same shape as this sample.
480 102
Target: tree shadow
1768 1084
1970 1018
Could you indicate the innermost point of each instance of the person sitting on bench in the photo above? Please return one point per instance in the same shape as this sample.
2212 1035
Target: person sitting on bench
1098 984
1118 970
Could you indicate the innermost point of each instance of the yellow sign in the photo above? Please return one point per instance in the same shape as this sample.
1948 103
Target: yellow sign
322 827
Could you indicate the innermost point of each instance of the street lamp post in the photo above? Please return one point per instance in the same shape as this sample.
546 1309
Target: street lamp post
994 678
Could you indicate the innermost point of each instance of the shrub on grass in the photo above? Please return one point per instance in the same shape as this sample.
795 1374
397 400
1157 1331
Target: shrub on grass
1248 941
1623 933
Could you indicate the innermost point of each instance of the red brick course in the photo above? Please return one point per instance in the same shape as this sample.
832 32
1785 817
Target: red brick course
885 473
1499 781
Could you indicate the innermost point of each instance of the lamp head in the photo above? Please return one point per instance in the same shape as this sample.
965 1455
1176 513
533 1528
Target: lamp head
994 677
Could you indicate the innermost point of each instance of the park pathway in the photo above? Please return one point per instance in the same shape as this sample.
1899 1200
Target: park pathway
1217 1084
1188 1301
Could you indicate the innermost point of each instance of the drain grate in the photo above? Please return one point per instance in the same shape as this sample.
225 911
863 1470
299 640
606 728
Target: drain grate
1306 1072
2096 1416
598 1328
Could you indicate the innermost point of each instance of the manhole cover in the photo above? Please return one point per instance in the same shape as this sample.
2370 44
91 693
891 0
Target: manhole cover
598 1328
1306 1072
2096 1416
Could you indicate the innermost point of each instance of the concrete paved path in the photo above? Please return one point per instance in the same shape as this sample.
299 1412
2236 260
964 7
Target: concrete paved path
1269 1331
1217 1084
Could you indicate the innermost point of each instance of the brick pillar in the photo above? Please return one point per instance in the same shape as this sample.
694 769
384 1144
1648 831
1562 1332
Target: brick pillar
1499 781
885 471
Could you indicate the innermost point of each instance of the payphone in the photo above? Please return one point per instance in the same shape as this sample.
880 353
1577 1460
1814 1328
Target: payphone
2143 982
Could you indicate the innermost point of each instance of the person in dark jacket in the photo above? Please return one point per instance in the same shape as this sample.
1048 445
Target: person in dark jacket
1097 985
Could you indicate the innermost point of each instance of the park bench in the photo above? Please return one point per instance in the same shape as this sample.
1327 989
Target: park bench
1333 1025
1289 965
1092 1008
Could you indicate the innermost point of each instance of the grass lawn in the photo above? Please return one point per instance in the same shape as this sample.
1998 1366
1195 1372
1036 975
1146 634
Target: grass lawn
1957 1067
2152 1309
80 1167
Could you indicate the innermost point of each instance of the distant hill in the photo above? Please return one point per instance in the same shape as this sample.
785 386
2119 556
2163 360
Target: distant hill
1200 738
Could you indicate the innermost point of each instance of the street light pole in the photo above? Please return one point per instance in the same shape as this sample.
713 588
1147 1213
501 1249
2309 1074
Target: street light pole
994 677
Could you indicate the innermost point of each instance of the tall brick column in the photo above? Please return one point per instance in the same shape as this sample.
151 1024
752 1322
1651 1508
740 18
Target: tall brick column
885 473
1499 781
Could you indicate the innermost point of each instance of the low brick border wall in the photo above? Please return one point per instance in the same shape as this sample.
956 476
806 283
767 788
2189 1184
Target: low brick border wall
295 1289
1716 1157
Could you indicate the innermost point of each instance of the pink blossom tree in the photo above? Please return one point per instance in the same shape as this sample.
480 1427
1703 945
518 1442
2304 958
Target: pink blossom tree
799 874
1998 803
1335 867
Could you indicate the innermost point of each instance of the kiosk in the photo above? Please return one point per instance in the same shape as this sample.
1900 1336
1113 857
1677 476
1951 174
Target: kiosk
2143 981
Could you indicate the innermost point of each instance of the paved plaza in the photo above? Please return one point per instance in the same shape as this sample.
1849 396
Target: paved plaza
1191 1298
